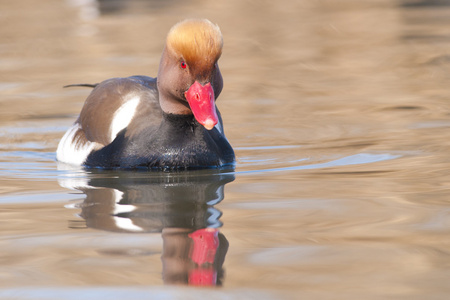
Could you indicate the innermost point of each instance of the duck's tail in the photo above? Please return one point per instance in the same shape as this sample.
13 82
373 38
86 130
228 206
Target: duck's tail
82 85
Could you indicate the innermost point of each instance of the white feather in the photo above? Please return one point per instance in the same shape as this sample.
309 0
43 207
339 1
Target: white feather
123 116
68 152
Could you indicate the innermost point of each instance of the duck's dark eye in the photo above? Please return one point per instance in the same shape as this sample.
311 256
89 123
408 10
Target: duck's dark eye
183 65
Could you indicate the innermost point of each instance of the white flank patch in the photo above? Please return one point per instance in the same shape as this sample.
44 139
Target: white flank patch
69 153
123 116
126 224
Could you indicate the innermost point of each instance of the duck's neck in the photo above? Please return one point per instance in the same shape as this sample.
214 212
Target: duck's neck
179 122
170 105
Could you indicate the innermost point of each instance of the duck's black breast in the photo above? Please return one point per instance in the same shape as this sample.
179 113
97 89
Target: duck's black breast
178 142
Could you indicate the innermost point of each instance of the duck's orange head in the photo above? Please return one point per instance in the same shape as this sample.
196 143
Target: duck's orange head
189 68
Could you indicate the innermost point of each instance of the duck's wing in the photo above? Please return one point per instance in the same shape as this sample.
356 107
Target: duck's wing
112 106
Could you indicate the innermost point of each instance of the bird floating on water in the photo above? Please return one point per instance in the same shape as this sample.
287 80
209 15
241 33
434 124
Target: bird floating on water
167 122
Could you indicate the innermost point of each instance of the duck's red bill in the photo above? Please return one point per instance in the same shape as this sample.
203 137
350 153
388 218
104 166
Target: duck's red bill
202 102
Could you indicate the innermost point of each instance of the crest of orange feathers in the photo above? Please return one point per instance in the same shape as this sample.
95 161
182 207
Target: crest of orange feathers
198 42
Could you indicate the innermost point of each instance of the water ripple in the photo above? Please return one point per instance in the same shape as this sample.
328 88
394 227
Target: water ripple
356 159
42 165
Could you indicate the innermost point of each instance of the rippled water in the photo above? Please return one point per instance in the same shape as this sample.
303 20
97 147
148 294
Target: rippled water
339 115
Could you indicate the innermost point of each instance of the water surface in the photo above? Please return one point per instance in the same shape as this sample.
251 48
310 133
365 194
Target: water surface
339 115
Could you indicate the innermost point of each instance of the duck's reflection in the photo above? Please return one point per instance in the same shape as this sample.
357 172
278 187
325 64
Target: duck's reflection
179 205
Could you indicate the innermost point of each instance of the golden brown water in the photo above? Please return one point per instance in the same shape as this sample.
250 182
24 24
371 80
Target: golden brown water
339 114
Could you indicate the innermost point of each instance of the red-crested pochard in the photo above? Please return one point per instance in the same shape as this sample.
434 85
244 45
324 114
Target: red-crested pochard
168 122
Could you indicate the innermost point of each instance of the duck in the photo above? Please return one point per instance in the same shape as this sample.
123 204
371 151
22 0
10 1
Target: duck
166 122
